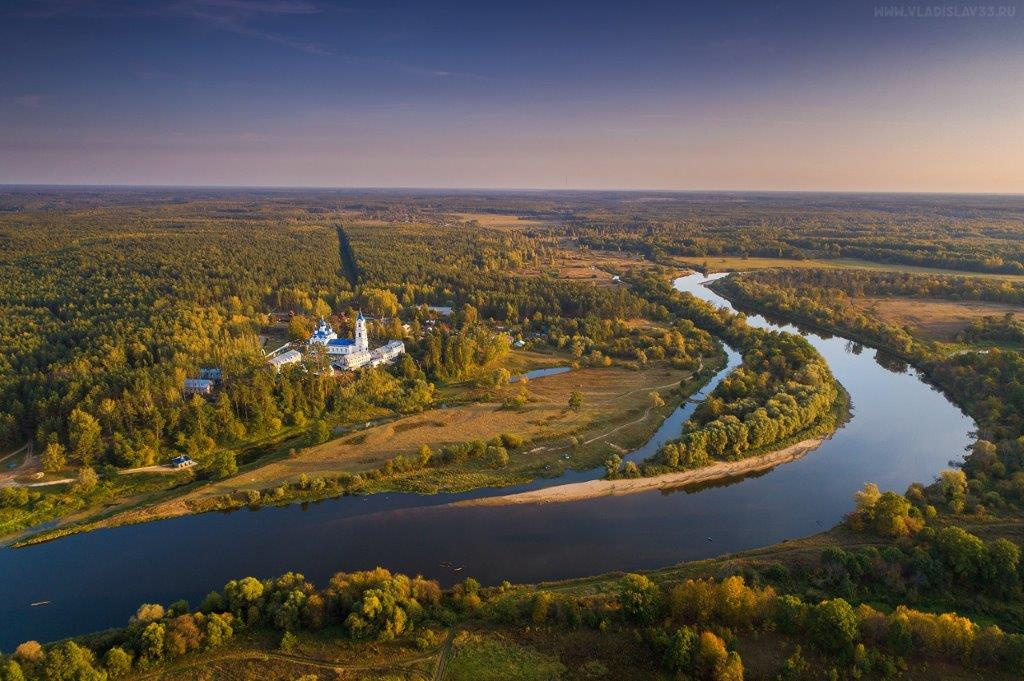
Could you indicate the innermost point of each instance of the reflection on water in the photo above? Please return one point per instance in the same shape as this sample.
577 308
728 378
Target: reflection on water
902 431
891 362
728 481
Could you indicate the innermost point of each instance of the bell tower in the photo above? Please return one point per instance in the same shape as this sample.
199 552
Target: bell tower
362 343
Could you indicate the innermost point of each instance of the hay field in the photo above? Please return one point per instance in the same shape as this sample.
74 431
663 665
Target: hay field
616 410
739 264
931 318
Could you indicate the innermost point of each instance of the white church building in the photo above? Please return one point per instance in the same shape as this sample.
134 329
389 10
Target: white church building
324 335
349 354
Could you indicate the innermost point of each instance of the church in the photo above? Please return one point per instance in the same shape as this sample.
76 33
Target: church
324 335
349 354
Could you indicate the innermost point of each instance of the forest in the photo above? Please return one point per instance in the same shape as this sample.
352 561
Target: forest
114 298
782 389
671 626
113 302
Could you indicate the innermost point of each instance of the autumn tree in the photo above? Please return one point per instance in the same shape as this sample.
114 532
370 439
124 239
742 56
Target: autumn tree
85 436
641 599
53 457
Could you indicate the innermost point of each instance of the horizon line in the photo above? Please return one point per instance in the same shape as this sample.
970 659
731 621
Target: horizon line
885 192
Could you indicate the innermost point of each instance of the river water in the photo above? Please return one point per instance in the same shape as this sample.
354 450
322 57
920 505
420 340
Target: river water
903 430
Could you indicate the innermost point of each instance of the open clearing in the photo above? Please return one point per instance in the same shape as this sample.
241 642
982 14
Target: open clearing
616 416
610 396
739 264
595 267
930 318
498 221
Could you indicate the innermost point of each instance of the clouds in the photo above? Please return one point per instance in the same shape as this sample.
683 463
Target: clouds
241 17
28 101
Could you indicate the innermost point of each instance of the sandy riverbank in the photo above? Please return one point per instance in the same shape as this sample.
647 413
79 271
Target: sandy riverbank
592 489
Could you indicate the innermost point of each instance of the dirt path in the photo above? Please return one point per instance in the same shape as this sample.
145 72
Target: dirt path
443 652
591 489
159 468
446 654
17 451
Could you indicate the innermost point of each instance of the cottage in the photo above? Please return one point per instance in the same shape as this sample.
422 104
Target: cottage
198 386
182 462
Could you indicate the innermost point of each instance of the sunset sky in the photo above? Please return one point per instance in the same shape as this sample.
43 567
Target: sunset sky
731 95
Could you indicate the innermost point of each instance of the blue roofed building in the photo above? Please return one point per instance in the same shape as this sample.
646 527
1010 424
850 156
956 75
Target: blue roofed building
324 335
210 373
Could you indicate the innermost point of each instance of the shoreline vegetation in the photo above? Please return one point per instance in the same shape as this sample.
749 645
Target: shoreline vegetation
592 489
333 489
786 451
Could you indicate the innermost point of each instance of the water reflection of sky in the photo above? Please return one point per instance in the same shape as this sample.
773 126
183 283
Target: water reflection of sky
902 431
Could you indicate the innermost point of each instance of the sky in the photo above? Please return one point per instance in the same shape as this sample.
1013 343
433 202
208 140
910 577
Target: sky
827 95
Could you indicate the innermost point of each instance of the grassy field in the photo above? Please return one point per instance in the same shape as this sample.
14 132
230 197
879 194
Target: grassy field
479 657
499 221
593 267
616 409
931 319
739 264
324 654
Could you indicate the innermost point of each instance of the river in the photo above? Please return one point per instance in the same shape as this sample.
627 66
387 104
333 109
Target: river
903 430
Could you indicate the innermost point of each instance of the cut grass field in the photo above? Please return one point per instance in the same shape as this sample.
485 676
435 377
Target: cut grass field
930 318
739 264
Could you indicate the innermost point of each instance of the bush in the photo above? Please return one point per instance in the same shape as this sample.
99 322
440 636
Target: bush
681 654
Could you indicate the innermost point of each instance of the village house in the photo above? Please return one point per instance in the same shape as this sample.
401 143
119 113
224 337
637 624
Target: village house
198 386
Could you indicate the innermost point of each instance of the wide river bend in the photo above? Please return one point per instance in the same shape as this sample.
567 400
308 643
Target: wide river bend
903 430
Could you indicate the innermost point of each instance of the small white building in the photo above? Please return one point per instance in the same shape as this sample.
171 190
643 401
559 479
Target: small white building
284 359
353 360
376 357
386 353
198 386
